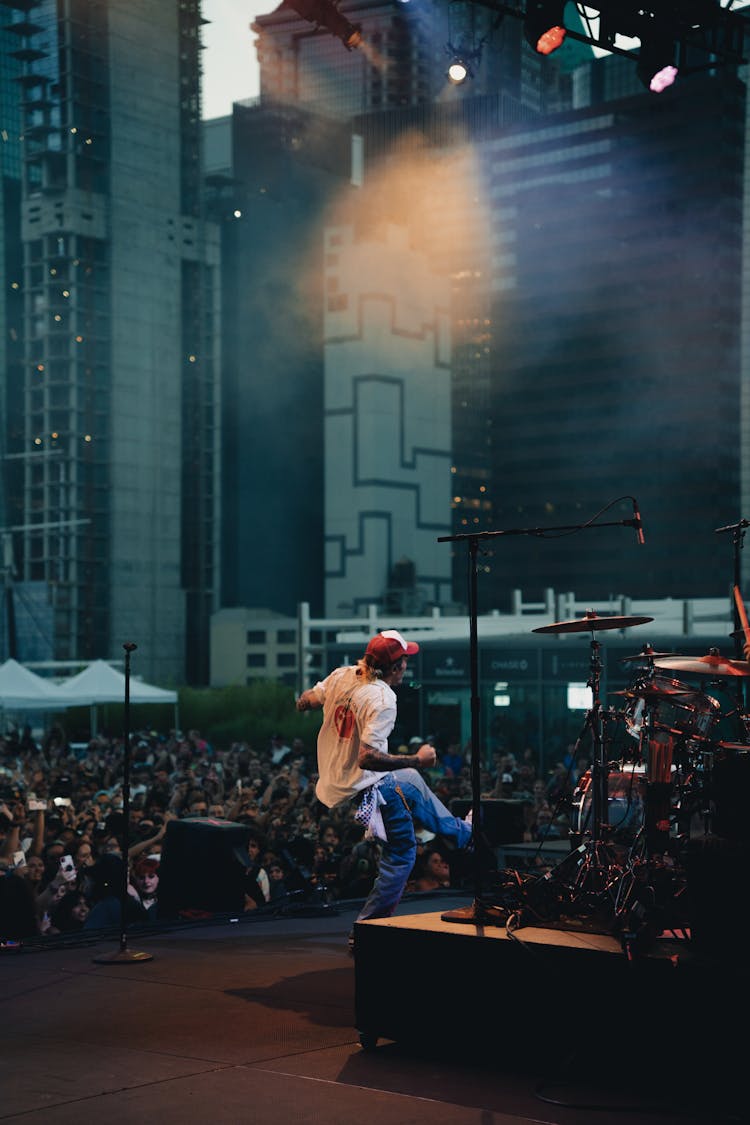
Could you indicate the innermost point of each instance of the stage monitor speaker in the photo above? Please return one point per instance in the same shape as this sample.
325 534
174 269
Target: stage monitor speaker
719 907
729 784
502 819
202 867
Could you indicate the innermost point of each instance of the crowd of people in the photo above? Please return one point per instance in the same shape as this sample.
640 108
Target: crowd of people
62 831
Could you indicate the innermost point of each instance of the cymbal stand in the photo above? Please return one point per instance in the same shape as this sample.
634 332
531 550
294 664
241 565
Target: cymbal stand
738 536
599 766
480 910
740 636
595 867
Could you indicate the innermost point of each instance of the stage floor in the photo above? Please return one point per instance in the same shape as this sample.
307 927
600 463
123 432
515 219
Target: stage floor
255 1021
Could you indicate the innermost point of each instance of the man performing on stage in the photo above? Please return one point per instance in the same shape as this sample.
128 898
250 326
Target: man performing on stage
359 712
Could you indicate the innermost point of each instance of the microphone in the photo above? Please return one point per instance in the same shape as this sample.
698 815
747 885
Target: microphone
732 527
637 522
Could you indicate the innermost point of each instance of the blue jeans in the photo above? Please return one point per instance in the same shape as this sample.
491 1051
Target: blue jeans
399 851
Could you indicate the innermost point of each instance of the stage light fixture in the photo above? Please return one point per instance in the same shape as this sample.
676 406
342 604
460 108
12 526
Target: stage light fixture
464 62
325 14
656 57
458 72
544 27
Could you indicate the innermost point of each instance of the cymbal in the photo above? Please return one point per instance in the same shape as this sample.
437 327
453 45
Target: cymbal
648 691
713 664
591 621
647 654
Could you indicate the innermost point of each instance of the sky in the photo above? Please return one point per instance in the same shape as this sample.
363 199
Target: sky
230 68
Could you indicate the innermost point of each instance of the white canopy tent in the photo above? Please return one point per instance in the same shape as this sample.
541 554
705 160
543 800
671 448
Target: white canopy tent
99 683
22 690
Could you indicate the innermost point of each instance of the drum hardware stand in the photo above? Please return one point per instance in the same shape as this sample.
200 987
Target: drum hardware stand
599 871
739 634
655 883
707 788
481 912
689 787
599 767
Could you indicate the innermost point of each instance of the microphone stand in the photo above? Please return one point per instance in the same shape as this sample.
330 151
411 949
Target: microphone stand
739 636
124 955
738 535
481 912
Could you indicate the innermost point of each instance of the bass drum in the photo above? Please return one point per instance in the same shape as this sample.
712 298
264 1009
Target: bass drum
625 804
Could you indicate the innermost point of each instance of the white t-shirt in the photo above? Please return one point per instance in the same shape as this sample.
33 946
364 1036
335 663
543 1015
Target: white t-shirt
354 712
261 878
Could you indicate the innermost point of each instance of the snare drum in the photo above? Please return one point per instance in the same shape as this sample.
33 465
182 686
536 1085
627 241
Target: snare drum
670 707
625 803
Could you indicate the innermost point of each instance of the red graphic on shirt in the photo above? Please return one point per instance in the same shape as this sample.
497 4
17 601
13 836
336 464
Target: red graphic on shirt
343 719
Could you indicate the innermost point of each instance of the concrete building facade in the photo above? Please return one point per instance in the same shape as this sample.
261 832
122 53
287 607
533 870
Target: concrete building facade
119 502
388 424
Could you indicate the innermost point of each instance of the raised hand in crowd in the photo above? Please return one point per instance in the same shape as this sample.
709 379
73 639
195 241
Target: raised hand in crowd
12 827
146 847
64 880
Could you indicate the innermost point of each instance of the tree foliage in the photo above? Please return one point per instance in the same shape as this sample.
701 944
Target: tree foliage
240 713
246 713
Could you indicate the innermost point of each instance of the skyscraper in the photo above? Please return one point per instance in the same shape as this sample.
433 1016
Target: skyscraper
616 293
325 114
11 315
593 250
117 502
286 166
601 320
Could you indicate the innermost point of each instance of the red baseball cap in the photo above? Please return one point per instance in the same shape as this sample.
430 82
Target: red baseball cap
389 646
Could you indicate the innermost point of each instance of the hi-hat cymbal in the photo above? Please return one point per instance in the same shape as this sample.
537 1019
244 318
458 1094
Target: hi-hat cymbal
591 621
713 664
646 654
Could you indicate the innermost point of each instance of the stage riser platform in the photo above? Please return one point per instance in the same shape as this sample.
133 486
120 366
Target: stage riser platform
451 985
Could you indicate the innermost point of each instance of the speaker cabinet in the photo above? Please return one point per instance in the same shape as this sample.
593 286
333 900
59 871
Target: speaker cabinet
729 785
502 820
717 892
202 867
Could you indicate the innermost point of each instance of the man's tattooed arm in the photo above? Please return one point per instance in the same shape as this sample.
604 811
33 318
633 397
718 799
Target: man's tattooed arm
371 759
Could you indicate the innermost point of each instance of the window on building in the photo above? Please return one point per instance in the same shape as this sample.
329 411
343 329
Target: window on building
256 660
579 697
256 637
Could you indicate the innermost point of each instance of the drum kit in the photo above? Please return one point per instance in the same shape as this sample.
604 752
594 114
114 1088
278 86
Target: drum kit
635 813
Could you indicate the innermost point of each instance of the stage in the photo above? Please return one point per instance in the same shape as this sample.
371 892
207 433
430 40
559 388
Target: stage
259 1020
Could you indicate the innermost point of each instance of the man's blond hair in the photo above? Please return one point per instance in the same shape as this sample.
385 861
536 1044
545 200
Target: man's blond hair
368 670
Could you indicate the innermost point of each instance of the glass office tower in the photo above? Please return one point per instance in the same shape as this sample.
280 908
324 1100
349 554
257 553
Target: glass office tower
117 438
